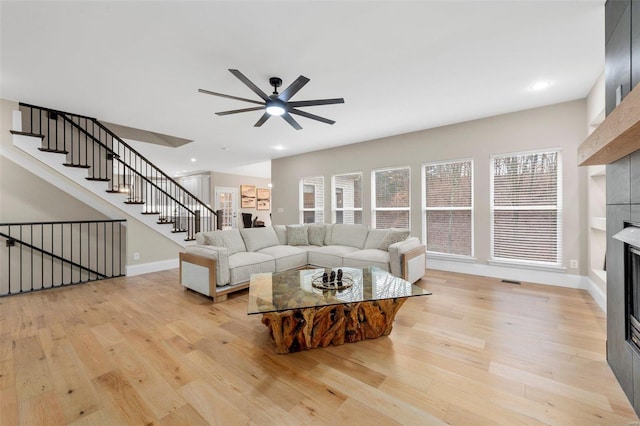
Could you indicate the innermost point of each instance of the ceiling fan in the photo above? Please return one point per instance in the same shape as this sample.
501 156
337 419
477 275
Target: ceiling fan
277 103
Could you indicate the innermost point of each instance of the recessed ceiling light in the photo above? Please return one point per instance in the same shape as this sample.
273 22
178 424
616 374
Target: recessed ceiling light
193 160
224 148
540 85
278 147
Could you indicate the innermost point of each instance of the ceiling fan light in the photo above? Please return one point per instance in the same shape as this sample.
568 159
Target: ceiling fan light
275 108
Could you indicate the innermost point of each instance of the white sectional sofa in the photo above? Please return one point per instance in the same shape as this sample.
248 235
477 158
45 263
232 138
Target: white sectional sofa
222 261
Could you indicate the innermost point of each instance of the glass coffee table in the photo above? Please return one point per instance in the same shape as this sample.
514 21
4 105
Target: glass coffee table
304 310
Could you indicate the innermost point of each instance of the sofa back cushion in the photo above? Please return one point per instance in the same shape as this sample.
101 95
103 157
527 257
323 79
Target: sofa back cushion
232 240
297 235
349 235
281 232
328 232
259 238
316 234
374 238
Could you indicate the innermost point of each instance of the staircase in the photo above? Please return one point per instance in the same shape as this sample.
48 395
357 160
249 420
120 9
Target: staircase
85 148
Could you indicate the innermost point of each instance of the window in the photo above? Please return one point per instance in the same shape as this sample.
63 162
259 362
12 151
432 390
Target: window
391 198
448 207
312 200
526 208
347 198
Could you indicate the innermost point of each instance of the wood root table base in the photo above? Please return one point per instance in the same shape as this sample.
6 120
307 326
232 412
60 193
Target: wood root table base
308 328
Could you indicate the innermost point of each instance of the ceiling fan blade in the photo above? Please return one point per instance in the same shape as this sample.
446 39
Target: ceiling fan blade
249 84
311 116
230 97
289 119
293 88
235 111
295 104
264 118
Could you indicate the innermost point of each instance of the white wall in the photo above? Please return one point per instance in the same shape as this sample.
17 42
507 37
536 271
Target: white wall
561 125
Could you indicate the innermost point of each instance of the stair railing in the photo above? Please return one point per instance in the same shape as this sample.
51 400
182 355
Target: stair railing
41 255
89 144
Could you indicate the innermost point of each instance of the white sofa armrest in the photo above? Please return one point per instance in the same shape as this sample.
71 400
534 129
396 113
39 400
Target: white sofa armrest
220 255
407 259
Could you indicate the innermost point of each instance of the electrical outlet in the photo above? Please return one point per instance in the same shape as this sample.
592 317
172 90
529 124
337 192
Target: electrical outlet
136 256
573 264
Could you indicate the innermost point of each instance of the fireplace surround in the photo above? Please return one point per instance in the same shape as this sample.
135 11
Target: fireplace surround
630 236
623 263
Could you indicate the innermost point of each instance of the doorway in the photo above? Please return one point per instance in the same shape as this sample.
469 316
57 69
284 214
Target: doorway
227 202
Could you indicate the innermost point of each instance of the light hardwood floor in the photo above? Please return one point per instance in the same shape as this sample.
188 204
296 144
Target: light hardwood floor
142 351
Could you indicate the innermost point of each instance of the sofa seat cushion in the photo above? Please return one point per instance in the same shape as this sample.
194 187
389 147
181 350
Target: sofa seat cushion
369 257
286 257
329 256
243 264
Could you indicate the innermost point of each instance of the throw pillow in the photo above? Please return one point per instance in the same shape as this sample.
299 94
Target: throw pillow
316 235
394 236
204 238
216 239
297 235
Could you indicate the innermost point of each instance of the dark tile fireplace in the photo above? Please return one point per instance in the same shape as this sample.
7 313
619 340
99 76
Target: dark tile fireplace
623 273
630 236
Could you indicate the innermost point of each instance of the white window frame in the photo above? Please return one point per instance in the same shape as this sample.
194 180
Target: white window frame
315 208
425 209
374 208
334 201
534 264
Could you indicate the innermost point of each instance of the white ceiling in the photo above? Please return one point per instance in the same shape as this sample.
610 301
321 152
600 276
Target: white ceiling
400 66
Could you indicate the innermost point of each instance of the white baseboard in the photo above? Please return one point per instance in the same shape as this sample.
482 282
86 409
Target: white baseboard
596 292
145 268
559 279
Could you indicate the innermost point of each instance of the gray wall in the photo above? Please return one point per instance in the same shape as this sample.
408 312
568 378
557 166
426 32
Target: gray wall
561 125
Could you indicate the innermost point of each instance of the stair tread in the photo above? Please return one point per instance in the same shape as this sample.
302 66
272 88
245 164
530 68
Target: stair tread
134 202
55 151
150 212
80 166
35 135
98 179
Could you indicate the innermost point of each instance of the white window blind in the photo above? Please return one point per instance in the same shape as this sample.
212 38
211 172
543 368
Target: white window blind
347 198
526 208
391 201
312 200
448 209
